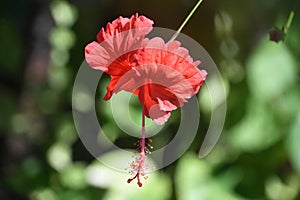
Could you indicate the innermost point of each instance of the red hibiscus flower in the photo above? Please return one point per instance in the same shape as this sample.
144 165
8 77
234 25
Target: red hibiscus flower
162 75
115 47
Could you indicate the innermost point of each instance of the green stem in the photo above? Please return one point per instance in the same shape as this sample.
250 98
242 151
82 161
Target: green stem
186 20
143 149
289 22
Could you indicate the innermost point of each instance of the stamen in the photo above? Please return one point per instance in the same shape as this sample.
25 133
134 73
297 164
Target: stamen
138 166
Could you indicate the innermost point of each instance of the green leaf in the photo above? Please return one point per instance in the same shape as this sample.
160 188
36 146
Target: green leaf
42 194
62 38
271 70
64 13
257 130
74 176
278 190
59 156
194 181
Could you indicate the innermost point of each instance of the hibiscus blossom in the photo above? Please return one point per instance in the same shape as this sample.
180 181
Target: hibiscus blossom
115 47
162 75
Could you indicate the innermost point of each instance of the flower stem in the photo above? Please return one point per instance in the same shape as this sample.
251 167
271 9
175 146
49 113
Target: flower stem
185 21
143 130
289 22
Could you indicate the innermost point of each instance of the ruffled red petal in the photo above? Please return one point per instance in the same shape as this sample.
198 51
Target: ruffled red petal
113 52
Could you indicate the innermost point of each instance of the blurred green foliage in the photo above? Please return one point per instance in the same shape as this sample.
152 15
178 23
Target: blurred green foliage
42 47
